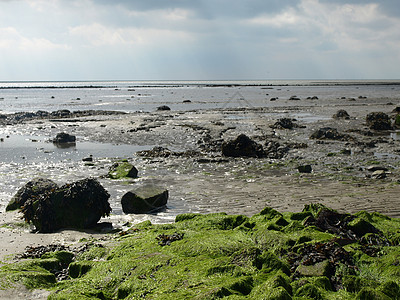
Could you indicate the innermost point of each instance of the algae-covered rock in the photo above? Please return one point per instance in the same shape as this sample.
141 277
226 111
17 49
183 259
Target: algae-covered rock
378 121
122 170
77 205
322 268
32 189
145 199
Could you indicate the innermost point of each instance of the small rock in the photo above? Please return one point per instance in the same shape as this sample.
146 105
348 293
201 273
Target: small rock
89 159
379 174
341 114
122 170
145 199
305 169
376 168
163 107
64 138
242 146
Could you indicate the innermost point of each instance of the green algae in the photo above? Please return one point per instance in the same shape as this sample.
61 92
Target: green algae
225 256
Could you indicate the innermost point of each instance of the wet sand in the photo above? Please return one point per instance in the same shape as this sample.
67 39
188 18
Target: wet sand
206 182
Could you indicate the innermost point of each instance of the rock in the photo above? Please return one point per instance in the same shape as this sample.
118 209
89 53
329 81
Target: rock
341 114
163 107
275 150
378 121
88 159
294 98
145 199
121 170
319 269
64 138
31 190
284 123
376 168
77 205
329 134
187 101
242 146
379 174
304 169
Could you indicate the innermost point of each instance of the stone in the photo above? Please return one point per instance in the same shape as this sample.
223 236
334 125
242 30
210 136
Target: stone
122 170
64 138
374 168
378 121
304 169
329 133
284 123
30 190
341 114
319 269
144 200
242 146
163 107
78 205
379 174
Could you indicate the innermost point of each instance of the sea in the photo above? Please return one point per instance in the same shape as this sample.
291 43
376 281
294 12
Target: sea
24 156
133 96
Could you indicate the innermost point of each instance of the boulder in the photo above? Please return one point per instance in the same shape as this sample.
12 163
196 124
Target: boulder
145 199
242 146
378 121
31 190
64 138
77 205
341 114
121 170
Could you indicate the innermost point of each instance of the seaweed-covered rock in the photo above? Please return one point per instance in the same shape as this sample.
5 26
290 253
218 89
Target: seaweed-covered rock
329 133
144 199
378 121
341 114
77 205
121 170
31 190
242 146
64 138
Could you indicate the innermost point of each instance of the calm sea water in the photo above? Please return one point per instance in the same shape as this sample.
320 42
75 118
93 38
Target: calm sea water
131 96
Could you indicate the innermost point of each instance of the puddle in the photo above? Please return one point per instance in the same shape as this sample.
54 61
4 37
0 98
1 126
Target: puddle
22 149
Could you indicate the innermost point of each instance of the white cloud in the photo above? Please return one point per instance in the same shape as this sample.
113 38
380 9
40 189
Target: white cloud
11 39
99 35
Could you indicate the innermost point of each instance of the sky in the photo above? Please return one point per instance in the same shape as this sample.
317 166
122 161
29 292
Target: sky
60 40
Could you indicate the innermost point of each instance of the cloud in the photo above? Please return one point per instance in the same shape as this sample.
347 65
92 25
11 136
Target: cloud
11 39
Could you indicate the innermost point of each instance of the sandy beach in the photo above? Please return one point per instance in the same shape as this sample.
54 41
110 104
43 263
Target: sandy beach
200 179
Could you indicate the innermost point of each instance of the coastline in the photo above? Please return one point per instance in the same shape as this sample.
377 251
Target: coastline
204 181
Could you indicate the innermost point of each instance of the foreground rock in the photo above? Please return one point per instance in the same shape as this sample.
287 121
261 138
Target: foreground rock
317 253
145 199
31 190
242 146
77 205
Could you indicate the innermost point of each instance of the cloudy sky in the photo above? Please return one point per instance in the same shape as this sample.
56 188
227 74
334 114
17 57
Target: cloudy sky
202 39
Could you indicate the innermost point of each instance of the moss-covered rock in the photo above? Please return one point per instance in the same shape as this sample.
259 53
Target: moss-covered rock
122 169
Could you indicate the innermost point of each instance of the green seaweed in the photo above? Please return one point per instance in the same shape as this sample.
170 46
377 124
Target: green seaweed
223 256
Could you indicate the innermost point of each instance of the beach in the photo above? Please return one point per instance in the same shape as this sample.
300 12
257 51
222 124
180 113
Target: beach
190 164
